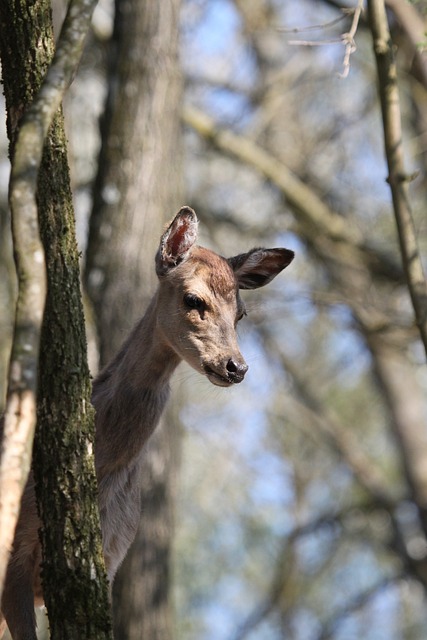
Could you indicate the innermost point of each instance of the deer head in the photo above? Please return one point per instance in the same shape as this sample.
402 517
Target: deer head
199 300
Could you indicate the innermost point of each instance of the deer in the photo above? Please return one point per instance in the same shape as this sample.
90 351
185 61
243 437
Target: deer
192 317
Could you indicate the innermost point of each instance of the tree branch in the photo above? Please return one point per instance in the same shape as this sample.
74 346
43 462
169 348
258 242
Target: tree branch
413 27
356 603
276 596
339 438
398 178
404 402
300 197
317 219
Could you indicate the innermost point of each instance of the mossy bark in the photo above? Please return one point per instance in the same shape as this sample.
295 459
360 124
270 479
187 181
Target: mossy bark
73 569
74 580
25 55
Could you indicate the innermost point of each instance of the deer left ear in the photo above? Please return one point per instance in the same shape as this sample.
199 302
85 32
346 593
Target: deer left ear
258 267
177 240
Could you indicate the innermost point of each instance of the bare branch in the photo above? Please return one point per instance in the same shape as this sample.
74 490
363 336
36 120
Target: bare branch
276 595
317 219
348 39
413 26
301 197
398 177
404 402
359 601
338 437
315 27
314 43
20 414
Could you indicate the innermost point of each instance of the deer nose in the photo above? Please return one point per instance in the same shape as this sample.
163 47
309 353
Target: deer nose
236 370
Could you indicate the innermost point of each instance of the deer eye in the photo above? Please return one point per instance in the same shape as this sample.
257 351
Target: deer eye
193 302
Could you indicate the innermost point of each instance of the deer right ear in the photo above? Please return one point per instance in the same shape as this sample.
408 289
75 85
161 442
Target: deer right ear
177 240
258 267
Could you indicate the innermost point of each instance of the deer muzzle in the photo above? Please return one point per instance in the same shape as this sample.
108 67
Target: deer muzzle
231 372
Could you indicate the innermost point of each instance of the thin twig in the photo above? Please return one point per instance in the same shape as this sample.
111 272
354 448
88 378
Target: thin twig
314 43
315 27
348 39
398 178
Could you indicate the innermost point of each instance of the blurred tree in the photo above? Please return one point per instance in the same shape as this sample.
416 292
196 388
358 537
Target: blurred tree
138 186
312 138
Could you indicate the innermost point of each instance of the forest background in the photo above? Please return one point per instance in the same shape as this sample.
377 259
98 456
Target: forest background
295 505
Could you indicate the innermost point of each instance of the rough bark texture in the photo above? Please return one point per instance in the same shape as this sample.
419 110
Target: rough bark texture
138 188
66 480
74 580
17 426
22 24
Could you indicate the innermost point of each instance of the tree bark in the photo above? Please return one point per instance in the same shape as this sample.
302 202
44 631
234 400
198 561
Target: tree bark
138 187
66 481
74 580
17 425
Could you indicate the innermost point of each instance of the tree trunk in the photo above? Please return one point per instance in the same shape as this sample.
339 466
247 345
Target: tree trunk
74 580
66 481
138 187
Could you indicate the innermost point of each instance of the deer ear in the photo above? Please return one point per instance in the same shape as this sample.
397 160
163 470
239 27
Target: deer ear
258 267
177 240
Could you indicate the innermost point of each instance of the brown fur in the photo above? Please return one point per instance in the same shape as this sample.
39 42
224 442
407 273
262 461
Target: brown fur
130 393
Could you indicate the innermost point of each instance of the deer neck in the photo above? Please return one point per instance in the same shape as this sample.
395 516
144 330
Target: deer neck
130 394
